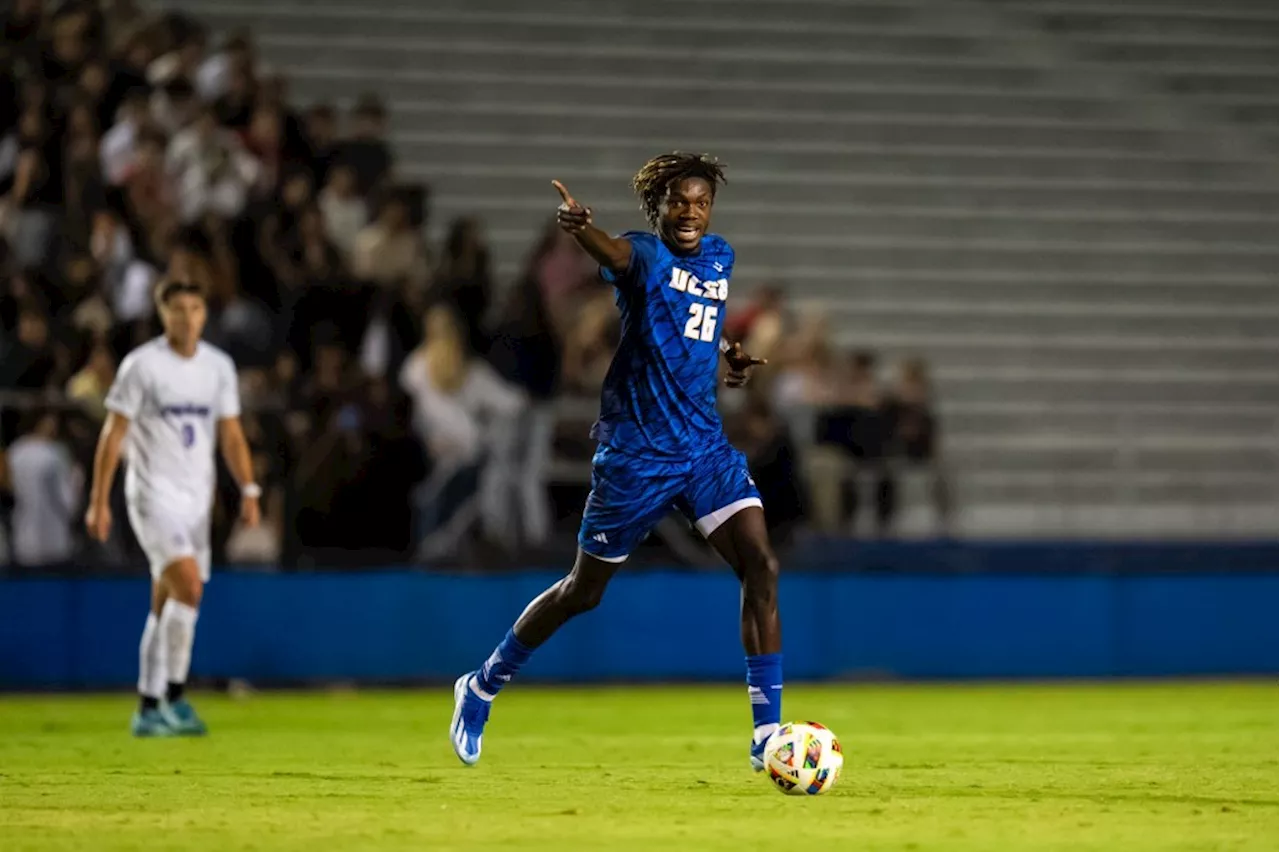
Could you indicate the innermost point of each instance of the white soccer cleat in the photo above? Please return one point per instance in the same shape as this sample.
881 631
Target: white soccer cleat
470 712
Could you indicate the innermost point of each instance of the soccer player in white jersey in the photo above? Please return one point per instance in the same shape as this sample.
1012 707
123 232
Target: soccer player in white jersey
173 400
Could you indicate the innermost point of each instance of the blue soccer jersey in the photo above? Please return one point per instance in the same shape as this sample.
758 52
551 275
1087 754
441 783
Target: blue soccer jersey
659 397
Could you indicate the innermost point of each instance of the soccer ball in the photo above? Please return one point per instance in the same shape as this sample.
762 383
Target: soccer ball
803 759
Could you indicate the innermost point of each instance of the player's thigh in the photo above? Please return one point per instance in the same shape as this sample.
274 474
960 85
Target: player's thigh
168 538
743 542
718 488
628 497
185 577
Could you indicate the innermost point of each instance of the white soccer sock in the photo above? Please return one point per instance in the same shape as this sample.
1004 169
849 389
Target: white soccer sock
763 732
178 628
151 674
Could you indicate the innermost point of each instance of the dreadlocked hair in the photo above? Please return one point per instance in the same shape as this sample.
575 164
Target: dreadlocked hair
651 182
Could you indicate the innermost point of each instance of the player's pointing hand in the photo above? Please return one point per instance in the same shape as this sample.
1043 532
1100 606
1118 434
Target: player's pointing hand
740 364
571 215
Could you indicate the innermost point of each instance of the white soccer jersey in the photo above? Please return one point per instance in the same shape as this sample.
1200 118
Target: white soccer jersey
174 405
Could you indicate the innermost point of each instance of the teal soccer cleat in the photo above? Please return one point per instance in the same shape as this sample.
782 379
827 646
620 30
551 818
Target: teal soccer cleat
183 719
150 723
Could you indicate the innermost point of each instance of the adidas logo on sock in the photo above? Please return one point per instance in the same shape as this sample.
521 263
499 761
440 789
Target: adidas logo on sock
756 695
600 537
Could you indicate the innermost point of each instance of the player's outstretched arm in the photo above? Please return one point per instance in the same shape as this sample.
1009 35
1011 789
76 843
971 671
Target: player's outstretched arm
106 459
612 253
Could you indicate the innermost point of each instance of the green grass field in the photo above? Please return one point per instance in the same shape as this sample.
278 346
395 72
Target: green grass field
1107 767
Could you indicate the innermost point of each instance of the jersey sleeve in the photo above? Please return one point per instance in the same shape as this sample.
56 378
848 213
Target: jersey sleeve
128 390
730 258
644 251
228 389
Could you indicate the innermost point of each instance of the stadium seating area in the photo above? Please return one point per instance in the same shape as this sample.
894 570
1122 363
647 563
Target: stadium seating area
1066 208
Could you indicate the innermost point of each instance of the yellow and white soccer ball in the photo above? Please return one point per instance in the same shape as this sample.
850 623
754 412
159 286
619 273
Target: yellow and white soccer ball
803 759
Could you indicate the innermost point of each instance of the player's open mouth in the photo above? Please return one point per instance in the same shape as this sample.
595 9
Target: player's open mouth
687 232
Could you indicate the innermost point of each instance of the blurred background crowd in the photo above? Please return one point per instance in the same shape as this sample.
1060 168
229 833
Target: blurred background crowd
401 401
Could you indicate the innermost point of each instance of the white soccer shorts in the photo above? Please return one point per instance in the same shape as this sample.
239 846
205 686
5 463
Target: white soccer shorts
166 537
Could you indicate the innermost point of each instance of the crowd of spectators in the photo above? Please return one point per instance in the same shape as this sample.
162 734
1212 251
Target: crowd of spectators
842 438
400 402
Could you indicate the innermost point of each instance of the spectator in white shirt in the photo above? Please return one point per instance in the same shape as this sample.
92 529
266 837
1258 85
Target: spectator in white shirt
214 77
212 172
390 249
345 212
465 415
46 492
117 149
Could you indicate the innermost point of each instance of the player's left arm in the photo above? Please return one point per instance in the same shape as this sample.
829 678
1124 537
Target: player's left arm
235 449
740 363
234 445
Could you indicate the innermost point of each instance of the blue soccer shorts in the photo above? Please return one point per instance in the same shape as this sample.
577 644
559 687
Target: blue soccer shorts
629 495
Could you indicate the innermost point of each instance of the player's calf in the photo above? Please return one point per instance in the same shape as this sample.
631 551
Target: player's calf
578 592
744 543
759 573
763 641
178 632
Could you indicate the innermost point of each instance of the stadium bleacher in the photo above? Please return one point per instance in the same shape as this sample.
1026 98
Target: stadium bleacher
1091 276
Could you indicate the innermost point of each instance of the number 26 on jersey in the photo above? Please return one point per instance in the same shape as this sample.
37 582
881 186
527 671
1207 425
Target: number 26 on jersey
702 322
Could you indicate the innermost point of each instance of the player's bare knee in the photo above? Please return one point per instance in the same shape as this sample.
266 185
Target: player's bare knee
760 576
182 579
581 594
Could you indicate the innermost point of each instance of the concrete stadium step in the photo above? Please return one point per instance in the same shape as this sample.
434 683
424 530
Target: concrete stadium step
1015 286
1258 116
661 91
733 215
440 56
1248 9
570 149
794 187
1191 292
1214 85
1071 350
1217 423
781 251
773 12
1186 291
1066 488
1186 55
400 30
1119 385
962 317
1257 109
1165 26
1205 456
686 124
1006 454
976 358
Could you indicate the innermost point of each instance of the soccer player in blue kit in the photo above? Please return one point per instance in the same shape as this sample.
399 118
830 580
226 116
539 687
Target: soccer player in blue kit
661 443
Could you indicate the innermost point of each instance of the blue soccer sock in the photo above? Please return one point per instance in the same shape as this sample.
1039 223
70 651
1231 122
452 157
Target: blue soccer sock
501 666
764 688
